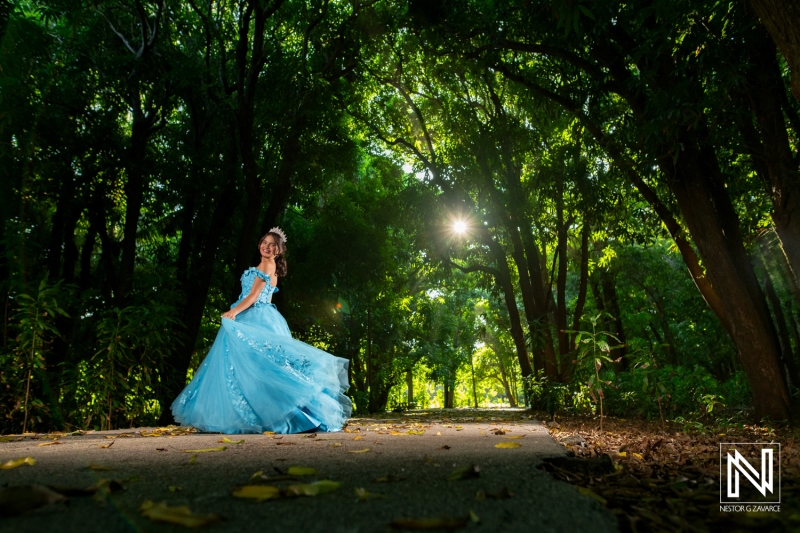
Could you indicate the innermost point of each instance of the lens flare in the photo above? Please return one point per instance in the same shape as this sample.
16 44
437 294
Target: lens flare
459 226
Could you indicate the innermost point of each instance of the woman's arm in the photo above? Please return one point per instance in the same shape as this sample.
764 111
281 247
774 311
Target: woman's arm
248 300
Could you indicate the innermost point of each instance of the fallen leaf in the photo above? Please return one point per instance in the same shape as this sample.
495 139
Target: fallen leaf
181 515
336 445
312 489
98 468
587 492
18 500
269 433
258 492
365 450
364 495
430 524
49 443
14 463
445 447
10 439
438 433
193 459
207 450
358 437
513 436
508 445
161 449
229 441
109 445
389 478
175 488
474 517
301 471
466 472
413 432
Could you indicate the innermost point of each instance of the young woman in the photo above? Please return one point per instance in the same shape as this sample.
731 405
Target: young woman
256 377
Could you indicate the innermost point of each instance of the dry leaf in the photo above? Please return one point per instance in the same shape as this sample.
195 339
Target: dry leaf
18 500
207 450
49 443
269 433
358 437
301 471
587 492
466 472
258 492
364 495
229 441
365 450
508 445
181 515
193 459
413 432
109 445
430 524
336 445
513 436
14 463
312 489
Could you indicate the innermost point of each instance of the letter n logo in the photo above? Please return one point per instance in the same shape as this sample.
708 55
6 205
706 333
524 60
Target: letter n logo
761 479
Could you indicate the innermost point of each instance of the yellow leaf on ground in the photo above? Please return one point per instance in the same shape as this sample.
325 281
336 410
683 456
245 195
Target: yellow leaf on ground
587 492
258 492
181 515
365 450
9 438
513 436
312 489
193 460
98 468
229 441
638 456
109 445
49 443
414 432
358 437
300 471
269 433
13 463
508 445
622 454
206 450
438 433
363 494
336 445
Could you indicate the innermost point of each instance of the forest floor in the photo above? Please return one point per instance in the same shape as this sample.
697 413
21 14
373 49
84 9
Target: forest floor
434 470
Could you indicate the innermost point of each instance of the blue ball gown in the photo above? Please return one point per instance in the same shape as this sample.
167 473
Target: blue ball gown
257 378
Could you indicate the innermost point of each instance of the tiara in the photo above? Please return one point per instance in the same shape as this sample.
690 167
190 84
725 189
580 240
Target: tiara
278 231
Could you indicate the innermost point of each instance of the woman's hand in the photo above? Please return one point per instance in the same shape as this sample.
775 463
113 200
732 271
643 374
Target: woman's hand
230 315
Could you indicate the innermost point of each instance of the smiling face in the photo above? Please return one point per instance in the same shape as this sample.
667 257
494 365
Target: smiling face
268 247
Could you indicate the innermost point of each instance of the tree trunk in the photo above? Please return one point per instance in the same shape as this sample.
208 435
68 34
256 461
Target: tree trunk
410 388
774 155
781 17
714 226
561 279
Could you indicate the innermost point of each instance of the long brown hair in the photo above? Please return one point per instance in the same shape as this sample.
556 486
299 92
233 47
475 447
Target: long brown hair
280 257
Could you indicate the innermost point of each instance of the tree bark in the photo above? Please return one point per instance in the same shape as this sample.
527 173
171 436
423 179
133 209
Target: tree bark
774 157
780 18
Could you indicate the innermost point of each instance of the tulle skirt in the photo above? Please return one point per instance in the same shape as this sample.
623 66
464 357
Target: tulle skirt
257 378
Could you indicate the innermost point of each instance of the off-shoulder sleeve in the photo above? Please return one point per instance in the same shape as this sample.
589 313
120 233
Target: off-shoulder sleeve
253 271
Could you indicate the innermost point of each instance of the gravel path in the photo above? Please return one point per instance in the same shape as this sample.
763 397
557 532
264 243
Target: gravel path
156 468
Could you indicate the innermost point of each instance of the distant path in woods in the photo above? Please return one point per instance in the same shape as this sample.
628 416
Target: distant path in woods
417 466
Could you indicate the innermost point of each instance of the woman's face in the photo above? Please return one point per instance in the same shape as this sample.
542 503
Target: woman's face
268 247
